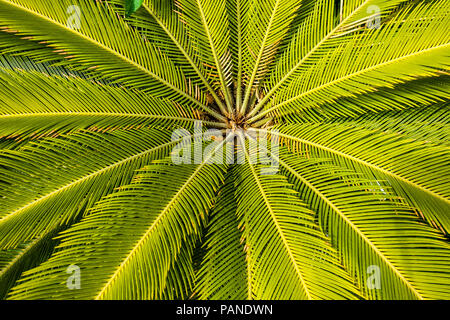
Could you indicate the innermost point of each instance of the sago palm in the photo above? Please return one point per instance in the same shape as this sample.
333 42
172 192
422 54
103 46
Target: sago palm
348 98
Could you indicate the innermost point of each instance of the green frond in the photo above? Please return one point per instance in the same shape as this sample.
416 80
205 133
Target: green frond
238 17
223 273
416 170
429 124
314 26
135 62
18 63
48 184
268 24
288 255
154 218
206 24
370 228
13 44
409 46
64 104
415 93
14 262
12 143
181 276
159 23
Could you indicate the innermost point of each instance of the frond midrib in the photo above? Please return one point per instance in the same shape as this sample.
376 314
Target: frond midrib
120 56
348 76
351 224
272 214
363 162
163 212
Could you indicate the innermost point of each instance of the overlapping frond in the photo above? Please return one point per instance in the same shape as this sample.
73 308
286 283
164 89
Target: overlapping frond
412 44
315 22
63 104
14 262
52 182
154 219
18 63
206 23
289 255
115 51
430 124
415 169
223 273
13 44
414 93
268 24
373 231
160 24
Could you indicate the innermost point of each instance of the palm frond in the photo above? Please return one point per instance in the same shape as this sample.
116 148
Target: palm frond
415 169
370 228
289 256
238 16
410 38
154 217
14 262
135 62
429 124
33 184
13 44
415 93
207 26
267 26
223 273
159 23
64 104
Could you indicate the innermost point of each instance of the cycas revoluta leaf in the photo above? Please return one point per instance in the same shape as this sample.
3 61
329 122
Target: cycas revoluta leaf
415 169
155 218
288 256
384 243
34 187
326 175
223 275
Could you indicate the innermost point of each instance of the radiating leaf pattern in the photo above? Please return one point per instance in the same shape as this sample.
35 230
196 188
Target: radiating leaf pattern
356 93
